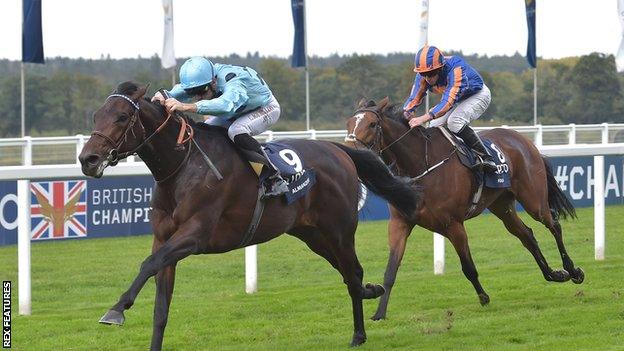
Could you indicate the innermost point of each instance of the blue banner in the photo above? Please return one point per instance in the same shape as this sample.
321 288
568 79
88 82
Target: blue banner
530 16
32 39
299 49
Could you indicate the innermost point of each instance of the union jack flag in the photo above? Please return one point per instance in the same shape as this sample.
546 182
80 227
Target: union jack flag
58 209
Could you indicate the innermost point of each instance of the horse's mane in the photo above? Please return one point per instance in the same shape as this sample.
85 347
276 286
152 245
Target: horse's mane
395 113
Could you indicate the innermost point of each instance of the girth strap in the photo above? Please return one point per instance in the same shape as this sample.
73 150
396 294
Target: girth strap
255 219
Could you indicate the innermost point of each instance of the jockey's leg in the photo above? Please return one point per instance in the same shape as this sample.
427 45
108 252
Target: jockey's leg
474 142
254 123
460 118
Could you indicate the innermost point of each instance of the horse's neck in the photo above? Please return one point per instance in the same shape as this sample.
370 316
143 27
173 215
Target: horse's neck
418 150
159 153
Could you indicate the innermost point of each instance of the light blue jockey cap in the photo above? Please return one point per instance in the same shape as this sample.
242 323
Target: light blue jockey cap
195 72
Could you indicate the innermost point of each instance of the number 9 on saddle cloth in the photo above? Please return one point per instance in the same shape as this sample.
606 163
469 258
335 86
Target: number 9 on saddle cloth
292 168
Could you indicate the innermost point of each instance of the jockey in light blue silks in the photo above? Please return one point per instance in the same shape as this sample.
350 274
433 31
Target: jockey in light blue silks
464 97
232 97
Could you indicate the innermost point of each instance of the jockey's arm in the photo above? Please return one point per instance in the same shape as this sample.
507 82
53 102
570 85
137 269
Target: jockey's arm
451 93
418 92
234 96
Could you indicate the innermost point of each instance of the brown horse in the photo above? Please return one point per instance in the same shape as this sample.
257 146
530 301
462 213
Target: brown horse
195 210
449 188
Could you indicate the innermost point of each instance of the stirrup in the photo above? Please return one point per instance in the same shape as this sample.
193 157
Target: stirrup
278 187
488 164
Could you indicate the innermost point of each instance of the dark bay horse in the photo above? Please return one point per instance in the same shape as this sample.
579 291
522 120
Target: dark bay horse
448 191
195 211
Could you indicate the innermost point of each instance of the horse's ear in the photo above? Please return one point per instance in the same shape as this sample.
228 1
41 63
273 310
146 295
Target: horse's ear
361 103
383 104
141 92
370 103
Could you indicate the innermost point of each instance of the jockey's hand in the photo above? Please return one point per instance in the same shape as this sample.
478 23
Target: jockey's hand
158 97
408 115
420 120
173 105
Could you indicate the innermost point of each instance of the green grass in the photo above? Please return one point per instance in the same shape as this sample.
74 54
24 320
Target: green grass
302 303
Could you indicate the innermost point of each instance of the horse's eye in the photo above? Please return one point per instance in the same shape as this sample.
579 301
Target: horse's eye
122 118
373 125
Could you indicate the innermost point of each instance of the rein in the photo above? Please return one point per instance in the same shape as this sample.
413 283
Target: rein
378 137
114 156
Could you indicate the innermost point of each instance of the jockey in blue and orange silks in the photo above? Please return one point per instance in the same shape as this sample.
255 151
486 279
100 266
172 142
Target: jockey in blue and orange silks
464 97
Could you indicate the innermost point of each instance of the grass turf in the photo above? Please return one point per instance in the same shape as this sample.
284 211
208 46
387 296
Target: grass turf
302 303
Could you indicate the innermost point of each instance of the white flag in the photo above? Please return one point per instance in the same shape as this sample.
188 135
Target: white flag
424 23
168 59
619 58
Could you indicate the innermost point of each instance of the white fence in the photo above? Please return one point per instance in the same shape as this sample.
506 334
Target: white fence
569 134
25 173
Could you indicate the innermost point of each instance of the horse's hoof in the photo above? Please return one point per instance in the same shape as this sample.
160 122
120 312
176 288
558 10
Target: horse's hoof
378 316
579 276
358 339
560 276
373 291
113 317
484 299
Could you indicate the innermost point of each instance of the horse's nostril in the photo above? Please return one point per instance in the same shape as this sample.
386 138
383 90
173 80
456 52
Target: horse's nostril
92 159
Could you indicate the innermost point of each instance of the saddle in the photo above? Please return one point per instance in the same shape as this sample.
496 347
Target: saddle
499 179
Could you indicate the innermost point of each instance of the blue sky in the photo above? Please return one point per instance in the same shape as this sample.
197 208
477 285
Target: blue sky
129 28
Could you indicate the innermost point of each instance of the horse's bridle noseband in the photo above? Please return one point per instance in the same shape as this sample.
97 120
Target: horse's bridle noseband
378 134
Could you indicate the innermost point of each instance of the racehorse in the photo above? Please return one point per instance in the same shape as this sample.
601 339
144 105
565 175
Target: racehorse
430 160
200 206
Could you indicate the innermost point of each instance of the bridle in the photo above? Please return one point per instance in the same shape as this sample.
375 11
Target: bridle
378 139
114 156
378 134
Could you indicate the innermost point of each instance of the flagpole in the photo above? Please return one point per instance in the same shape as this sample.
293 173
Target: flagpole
23 99
307 71
535 95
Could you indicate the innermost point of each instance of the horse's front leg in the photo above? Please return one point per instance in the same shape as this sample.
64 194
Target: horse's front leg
165 280
398 231
184 242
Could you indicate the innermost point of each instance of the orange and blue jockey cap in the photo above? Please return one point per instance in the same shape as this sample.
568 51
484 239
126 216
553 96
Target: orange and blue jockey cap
427 59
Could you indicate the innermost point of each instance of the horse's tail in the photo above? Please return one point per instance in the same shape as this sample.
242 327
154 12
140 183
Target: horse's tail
557 201
378 178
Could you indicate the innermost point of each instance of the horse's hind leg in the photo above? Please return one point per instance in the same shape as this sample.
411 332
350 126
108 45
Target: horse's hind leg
456 233
576 273
504 208
398 231
339 250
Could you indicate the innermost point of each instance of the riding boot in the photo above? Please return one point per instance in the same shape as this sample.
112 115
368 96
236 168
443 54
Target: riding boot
254 153
474 142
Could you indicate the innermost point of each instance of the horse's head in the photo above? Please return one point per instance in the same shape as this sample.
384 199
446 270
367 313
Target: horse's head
367 126
117 132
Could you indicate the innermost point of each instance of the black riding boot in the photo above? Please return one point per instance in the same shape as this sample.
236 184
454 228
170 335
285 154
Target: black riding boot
474 142
253 152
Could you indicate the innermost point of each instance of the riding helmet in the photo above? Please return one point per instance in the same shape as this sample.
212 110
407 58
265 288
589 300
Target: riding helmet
428 58
195 72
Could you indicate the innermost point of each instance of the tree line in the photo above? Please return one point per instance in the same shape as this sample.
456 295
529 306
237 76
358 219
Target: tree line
62 95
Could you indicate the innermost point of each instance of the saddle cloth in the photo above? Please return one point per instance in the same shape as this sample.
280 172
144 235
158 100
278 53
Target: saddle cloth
499 179
292 167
